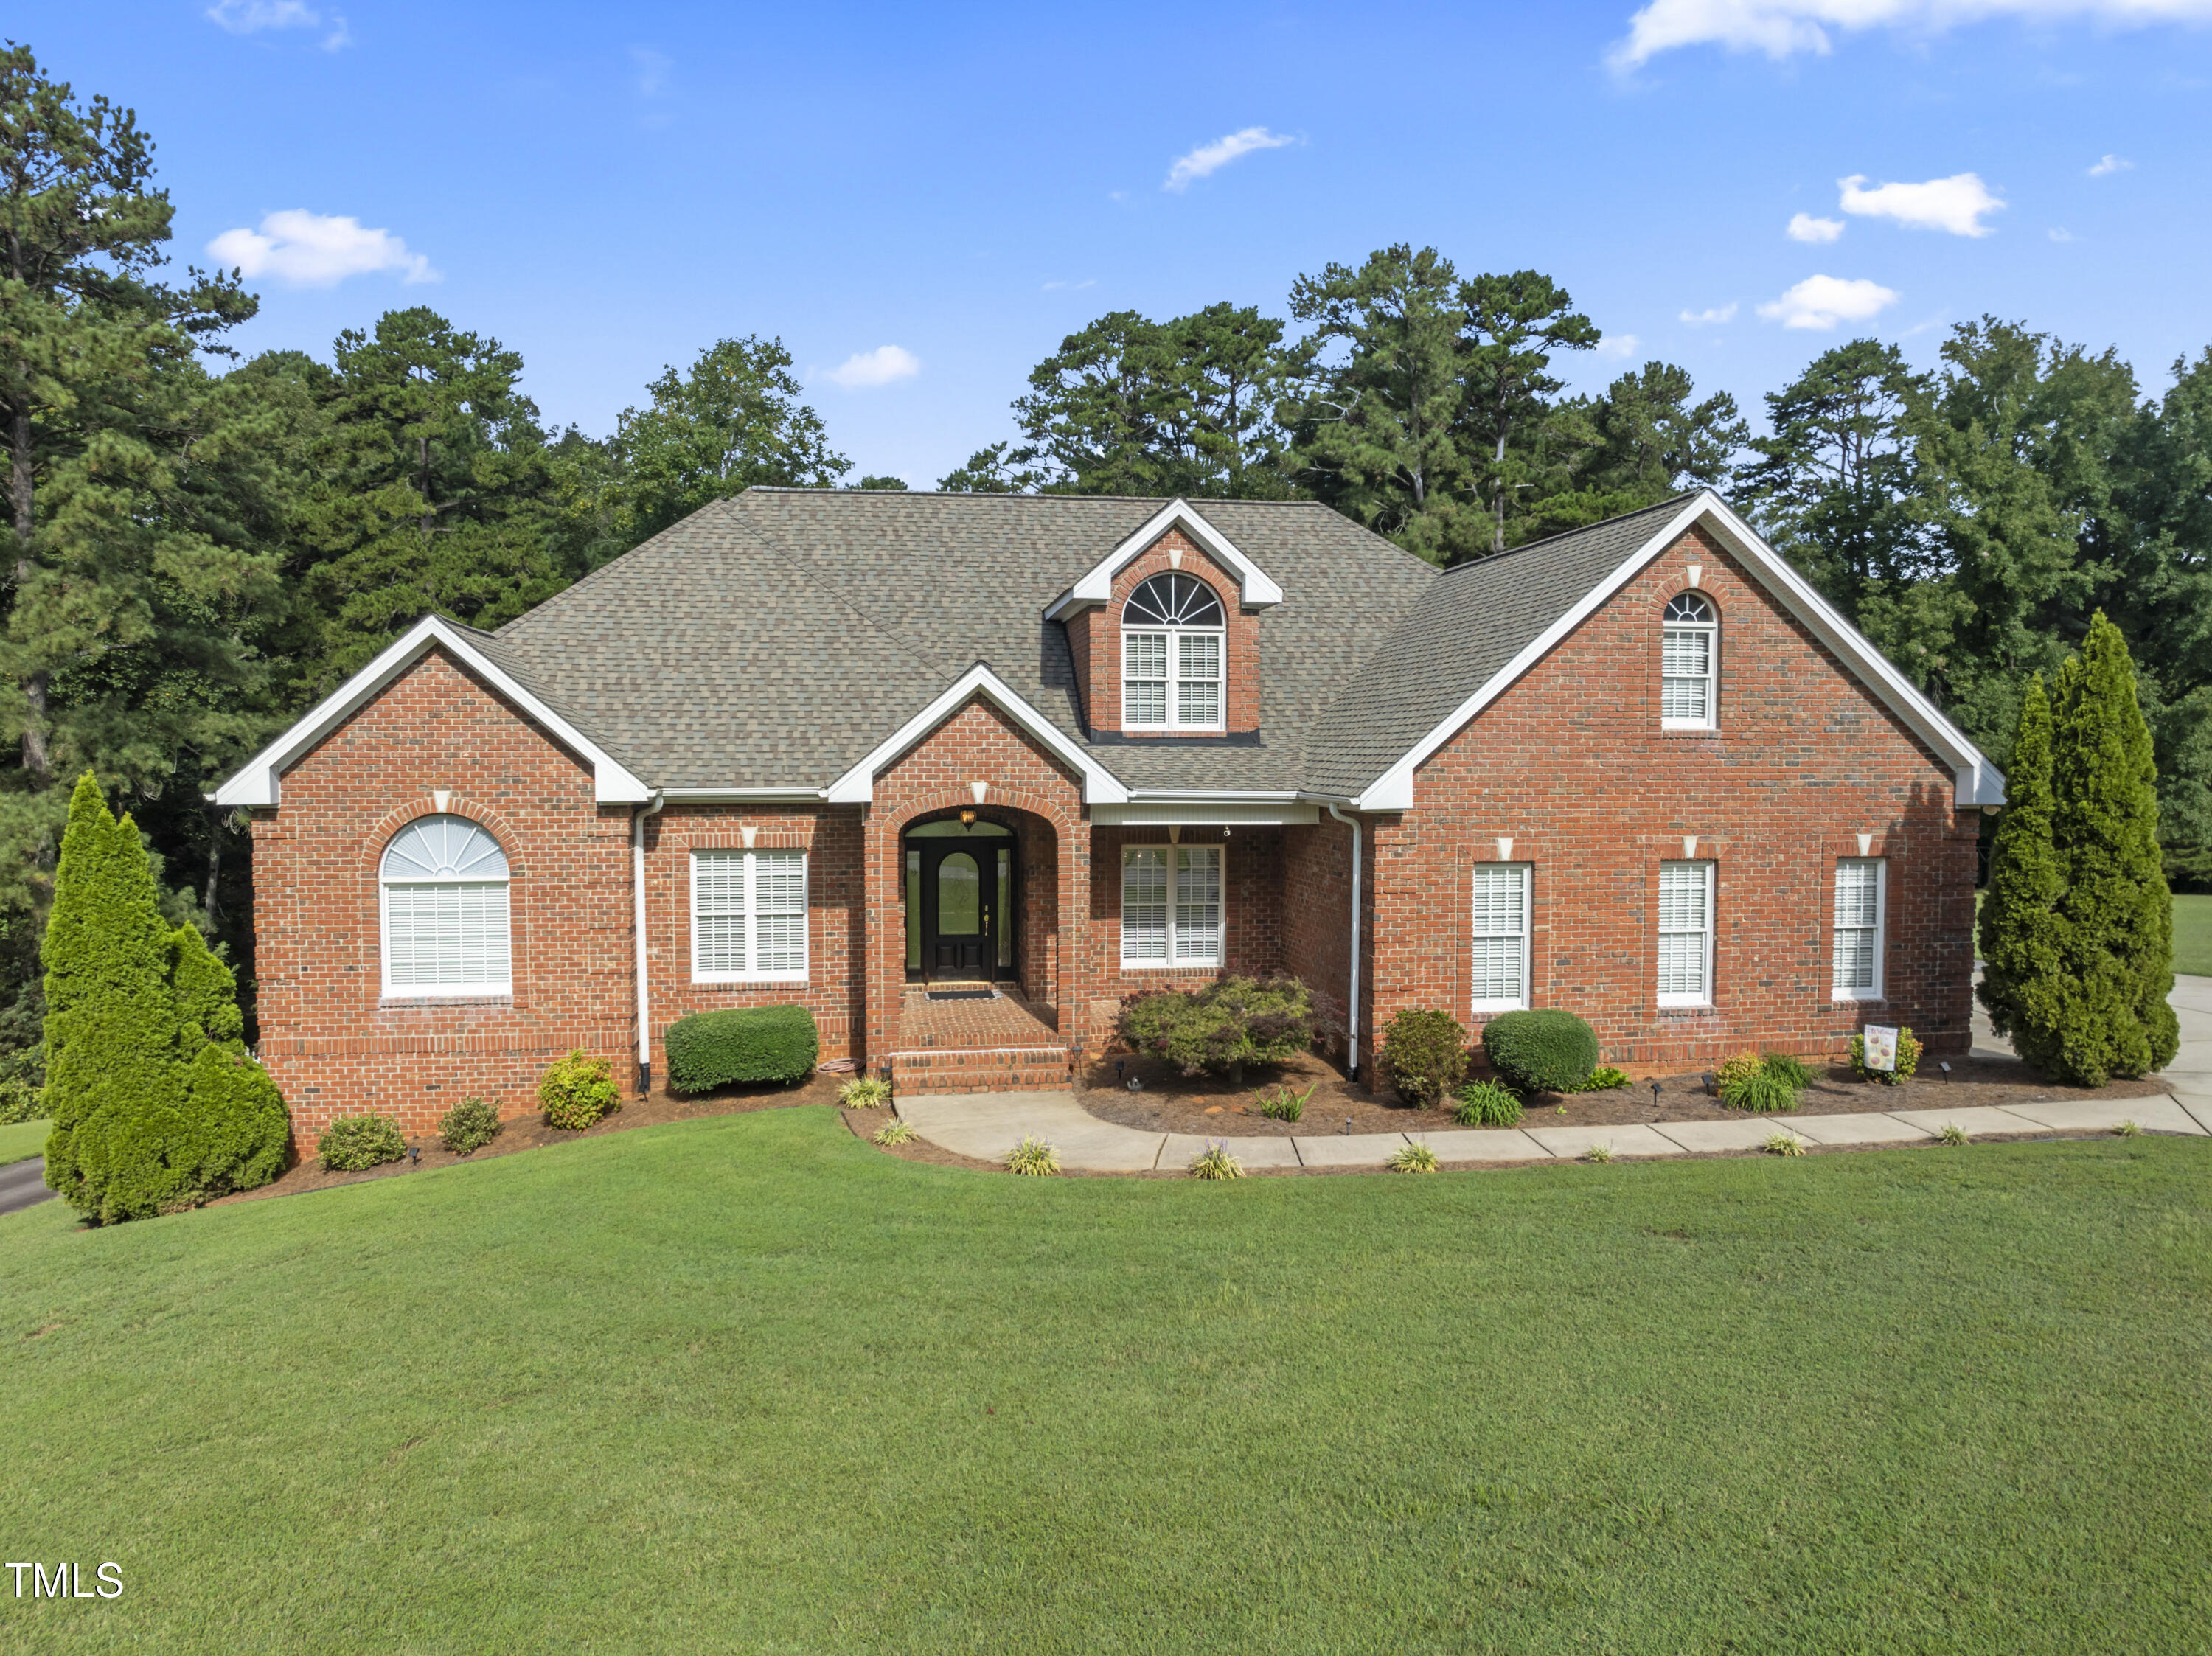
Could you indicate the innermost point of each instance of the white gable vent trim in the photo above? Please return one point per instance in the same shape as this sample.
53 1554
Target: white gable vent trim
1257 590
857 787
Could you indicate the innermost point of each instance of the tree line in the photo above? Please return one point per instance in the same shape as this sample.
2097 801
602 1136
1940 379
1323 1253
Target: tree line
201 544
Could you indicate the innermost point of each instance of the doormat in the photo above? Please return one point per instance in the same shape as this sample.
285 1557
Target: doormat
962 994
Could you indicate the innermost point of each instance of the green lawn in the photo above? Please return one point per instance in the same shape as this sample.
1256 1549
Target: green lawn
2193 935
24 1139
743 1384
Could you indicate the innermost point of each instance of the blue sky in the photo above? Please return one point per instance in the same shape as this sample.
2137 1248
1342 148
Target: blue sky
921 200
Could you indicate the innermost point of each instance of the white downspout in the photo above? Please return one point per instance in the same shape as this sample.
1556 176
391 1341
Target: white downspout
1352 1010
638 942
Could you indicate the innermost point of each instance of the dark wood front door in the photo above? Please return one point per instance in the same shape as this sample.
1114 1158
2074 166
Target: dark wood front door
959 907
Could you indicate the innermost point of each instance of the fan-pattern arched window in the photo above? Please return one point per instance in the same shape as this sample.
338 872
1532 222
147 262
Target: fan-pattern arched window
444 882
1173 636
1689 664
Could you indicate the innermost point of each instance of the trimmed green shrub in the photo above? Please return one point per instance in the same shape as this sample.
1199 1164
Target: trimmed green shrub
468 1126
1602 1079
1549 1051
1413 1156
1281 1104
156 1104
1487 1104
742 1045
1218 1029
577 1090
354 1141
1908 1059
1425 1054
1735 1072
1761 1093
1033 1158
1214 1161
865 1093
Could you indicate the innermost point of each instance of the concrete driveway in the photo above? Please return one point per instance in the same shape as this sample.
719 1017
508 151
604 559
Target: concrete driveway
23 1183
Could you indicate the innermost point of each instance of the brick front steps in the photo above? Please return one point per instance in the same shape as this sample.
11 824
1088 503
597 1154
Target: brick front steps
982 1070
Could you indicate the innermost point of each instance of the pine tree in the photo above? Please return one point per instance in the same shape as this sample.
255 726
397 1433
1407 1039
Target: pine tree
2022 974
156 1104
2116 943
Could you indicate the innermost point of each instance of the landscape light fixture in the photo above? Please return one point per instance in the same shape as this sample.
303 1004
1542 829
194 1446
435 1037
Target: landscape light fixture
1945 1067
1655 1092
415 1155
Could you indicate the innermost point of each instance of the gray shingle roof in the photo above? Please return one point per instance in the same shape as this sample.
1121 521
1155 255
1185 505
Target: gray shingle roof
1470 624
773 639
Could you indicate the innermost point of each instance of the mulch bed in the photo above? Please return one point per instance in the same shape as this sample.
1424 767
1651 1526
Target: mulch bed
1170 1102
530 1132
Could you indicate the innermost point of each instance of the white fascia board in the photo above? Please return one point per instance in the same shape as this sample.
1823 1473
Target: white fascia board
1198 811
260 782
741 795
1096 586
1976 781
857 787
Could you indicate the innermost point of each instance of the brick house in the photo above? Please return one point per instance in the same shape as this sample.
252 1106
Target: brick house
836 747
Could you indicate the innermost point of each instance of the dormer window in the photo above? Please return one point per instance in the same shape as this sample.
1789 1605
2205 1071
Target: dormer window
1689 664
1173 635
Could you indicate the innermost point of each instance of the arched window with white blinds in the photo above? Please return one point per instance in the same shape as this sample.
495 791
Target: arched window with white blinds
1689 666
444 894
1173 637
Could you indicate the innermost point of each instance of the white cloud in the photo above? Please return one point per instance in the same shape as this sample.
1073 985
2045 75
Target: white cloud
1070 286
251 16
317 250
1719 314
2109 165
1620 347
1783 28
877 367
1211 158
1803 227
1822 302
1956 203
2060 233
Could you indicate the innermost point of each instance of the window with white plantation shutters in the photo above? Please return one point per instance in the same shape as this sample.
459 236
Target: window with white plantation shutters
748 916
445 885
1501 937
1171 906
1860 891
1689 650
1172 632
1686 934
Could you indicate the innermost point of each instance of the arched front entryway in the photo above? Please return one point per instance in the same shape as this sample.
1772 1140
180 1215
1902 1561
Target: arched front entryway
961 887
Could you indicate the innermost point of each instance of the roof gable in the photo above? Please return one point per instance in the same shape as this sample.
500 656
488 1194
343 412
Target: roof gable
1095 585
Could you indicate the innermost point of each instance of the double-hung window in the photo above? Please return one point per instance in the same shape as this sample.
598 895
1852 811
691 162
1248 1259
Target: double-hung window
748 916
1501 937
1686 934
1171 906
1689 664
444 882
1173 631
1861 891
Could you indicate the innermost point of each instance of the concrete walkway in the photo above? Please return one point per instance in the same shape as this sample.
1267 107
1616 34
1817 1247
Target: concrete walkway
985 1125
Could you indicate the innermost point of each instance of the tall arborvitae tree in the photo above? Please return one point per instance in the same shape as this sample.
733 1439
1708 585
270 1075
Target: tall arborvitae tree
156 1104
2117 942
2022 975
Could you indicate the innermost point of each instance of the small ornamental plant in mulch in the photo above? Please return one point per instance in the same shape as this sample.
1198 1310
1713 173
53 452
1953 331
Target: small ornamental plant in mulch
893 1132
1603 1079
1214 1161
1908 1059
468 1126
2128 1130
1282 1104
353 1143
1953 1133
577 1091
1033 1158
1487 1104
1425 1054
1412 1157
865 1093
1598 1152
1763 1085
1779 1142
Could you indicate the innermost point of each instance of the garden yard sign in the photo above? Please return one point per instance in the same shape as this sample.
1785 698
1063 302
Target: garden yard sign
1881 1048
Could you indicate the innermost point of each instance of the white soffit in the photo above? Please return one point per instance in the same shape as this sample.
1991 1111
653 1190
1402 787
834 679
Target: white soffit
1205 813
1096 586
260 781
1976 781
857 787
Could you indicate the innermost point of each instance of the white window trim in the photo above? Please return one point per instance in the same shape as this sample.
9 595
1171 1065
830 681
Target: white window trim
1175 635
1477 1004
1711 629
437 990
1221 924
804 971
1881 932
1712 926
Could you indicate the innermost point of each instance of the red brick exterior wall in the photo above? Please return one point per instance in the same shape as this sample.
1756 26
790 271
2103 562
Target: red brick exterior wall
1095 637
1572 764
335 1045
1316 927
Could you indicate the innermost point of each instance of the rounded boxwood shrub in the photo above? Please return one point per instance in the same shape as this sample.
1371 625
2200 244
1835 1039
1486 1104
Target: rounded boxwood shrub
1549 1051
468 1126
577 1090
742 1044
354 1141
1425 1055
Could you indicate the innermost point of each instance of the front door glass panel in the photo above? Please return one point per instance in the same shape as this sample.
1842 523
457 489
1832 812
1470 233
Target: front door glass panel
1005 908
959 896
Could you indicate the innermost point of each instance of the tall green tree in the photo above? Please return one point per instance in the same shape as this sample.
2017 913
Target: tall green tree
2117 942
1377 428
1514 326
2023 976
1644 440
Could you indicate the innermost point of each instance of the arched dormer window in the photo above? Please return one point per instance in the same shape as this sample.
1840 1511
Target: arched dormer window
444 882
1173 636
1689 666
